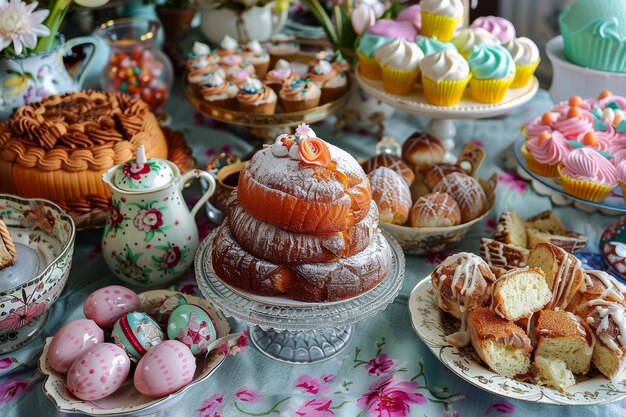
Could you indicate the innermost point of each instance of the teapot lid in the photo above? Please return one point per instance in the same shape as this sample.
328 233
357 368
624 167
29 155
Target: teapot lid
142 174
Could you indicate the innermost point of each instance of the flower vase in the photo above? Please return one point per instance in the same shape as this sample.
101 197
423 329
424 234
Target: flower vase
31 78
176 22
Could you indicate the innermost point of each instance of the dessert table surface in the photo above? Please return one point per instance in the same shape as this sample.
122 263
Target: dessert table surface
386 371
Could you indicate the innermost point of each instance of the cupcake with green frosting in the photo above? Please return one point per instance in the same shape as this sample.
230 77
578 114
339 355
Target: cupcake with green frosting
431 46
368 66
493 72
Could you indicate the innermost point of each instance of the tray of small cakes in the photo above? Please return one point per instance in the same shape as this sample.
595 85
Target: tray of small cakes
527 324
236 85
426 204
574 153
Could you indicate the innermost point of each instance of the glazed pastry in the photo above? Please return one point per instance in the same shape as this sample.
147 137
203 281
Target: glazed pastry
332 82
526 58
445 75
571 242
392 162
502 345
391 194
499 27
255 55
219 92
467 192
281 74
519 293
511 230
493 72
503 256
466 39
553 373
228 47
434 174
440 18
7 248
435 210
431 46
587 174
421 149
598 285
545 152
255 98
563 335
399 61
299 95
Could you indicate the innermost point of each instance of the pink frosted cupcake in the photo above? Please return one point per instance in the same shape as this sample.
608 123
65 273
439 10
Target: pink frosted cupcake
576 122
541 124
588 175
497 26
281 74
545 152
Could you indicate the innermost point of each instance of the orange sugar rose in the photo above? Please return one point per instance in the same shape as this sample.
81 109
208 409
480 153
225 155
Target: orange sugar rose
314 151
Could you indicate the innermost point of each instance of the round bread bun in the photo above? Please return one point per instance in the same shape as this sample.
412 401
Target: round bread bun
391 162
391 194
421 150
435 210
434 174
467 193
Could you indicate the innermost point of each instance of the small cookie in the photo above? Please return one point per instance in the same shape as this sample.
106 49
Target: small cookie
7 249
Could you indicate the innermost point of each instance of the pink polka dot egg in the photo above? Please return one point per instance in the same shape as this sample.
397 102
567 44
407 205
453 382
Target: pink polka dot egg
108 304
70 341
98 372
165 369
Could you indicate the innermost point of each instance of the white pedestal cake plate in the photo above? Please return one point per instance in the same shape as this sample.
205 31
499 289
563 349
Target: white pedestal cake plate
298 332
441 124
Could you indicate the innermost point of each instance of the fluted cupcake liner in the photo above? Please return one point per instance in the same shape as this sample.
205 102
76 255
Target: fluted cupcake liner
523 73
263 108
544 170
444 93
596 53
299 105
586 190
399 81
440 27
489 91
369 67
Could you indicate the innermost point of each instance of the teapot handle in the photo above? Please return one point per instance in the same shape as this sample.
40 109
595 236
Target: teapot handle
197 173
86 64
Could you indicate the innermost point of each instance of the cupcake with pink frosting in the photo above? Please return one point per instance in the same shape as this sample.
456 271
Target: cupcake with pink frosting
545 152
497 26
587 174
574 123
541 124
282 74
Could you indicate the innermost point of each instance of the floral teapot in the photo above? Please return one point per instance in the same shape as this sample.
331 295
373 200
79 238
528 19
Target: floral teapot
151 236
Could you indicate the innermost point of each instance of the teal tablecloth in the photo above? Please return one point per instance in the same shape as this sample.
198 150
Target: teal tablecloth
385 363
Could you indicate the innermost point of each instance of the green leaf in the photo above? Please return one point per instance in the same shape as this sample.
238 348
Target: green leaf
149 236
13 72
323 19
29 76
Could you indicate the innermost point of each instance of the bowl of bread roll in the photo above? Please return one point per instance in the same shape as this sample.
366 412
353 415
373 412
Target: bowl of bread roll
541 328
425 203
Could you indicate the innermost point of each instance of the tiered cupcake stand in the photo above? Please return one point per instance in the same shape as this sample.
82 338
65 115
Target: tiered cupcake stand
441 124
297 332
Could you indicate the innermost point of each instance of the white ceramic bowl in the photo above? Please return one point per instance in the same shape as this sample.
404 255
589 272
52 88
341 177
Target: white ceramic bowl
43 235
570 79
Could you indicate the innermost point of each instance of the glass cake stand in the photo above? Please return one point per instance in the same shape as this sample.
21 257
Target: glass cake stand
298 332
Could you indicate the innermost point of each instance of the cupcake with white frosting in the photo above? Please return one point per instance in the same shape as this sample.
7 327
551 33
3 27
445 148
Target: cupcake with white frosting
219 92
400 61
526 58
445 76
255 55
440 18
329 79
465 40
228 46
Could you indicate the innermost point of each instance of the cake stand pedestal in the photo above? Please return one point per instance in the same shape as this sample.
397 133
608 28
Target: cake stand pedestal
293 331
441 124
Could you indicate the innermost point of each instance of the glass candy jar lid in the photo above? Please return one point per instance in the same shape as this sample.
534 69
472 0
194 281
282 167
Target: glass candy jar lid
142 174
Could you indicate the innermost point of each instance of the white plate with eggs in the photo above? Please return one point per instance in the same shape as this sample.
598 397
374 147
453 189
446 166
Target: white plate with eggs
432 326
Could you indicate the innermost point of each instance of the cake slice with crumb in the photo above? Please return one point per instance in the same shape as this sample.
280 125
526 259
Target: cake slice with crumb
519 293
553 373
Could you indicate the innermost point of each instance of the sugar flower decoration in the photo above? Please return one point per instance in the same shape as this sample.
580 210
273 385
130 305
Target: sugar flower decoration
305 131
21 25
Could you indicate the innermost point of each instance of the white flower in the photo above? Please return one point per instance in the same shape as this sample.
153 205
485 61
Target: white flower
91 3
20 25
363 16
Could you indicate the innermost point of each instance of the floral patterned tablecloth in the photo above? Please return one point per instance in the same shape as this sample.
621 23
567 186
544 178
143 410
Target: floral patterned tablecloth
386 371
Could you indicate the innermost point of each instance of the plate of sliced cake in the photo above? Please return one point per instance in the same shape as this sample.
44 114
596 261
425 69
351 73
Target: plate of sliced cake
549 332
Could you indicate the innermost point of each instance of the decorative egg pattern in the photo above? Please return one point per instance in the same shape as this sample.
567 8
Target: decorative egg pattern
137 333
71 341
168 305
193 326
98 372
165 369
106 305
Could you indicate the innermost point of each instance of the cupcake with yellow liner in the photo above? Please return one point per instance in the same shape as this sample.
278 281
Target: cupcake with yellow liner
621 176
255 98
586 174
465 40
399 60
299 95
329 79
281 74
440 18
545 152
445 76
493 72
219 92
526 58
431 46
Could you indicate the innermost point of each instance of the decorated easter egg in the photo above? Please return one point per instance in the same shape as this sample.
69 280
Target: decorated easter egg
193 326
98 372
137 333
165 309
613 247
106 305
71 341
165 369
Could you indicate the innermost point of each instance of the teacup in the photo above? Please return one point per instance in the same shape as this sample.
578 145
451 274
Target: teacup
227 179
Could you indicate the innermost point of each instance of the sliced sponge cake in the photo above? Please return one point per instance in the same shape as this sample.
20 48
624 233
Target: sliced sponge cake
502 345
519 293
553 372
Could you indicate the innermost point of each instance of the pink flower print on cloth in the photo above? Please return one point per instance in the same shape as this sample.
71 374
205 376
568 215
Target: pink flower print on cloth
391 398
